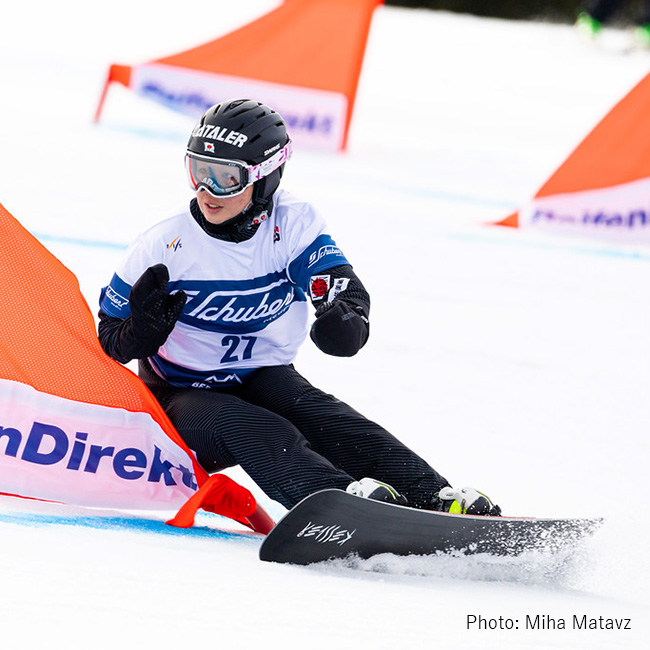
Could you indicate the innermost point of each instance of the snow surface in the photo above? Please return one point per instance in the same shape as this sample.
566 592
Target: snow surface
529 381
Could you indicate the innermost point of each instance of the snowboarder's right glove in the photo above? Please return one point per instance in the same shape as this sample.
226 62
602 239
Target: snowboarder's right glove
154 311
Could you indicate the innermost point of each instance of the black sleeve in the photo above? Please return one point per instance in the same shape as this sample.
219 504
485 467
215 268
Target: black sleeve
342 306
354 294
117 338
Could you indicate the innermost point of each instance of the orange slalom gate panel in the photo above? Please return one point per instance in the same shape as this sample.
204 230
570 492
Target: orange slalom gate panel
598 190
78 427
302 56
310 43
616 151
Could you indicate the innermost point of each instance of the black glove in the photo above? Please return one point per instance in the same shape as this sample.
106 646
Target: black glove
340 329
154 311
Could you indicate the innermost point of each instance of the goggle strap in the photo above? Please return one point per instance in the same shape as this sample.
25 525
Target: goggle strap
270 164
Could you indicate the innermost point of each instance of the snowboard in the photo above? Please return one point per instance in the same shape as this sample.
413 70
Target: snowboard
334 524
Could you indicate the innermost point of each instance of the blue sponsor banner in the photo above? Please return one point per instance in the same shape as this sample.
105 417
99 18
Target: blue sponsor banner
48 445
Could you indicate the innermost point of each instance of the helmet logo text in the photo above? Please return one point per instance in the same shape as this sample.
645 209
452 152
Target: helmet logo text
222 134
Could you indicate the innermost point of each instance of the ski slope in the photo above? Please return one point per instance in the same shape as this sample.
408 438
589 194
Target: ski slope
515 363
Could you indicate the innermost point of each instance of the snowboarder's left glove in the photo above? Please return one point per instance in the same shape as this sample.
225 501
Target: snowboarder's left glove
340 329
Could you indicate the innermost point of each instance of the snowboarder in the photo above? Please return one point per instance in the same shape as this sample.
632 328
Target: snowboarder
213 302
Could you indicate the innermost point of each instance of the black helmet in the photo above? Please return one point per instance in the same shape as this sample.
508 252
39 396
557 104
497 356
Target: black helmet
252 145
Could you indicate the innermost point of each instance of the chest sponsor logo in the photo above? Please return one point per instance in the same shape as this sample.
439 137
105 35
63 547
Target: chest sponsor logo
238 311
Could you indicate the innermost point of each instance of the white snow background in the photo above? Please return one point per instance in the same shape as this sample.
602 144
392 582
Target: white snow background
515 363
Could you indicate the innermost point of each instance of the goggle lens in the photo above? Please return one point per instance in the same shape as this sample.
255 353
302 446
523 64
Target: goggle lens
219 177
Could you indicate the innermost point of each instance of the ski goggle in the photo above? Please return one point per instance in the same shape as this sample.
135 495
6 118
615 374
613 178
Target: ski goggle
223 177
